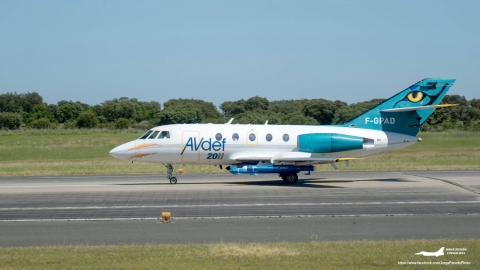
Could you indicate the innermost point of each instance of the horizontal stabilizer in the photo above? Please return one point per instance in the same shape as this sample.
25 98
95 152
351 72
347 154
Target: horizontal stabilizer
346 159
417 108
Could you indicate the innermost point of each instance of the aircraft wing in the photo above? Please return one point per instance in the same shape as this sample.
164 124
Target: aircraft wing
299 158
252 157
293 158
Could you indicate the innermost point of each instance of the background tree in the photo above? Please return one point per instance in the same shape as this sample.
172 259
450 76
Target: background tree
475 103
297 118
233 108
33 112
205 111
346 113
10 120
322 110
180 115
151 111
19 103
256 103
287 106
447 118
67 110
258 117
41 123
122 123
121 108
87 119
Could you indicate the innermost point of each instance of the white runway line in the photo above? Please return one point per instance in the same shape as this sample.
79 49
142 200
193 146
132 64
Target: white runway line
58 185
229 205
229 217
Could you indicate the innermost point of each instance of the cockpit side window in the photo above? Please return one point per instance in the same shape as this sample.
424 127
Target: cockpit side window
154 135
144 136
164 134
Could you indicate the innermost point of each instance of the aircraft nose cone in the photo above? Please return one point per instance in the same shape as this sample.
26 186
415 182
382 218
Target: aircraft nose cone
117 152
113 152
121 151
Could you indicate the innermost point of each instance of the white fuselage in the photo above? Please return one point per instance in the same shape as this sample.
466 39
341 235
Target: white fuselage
225 144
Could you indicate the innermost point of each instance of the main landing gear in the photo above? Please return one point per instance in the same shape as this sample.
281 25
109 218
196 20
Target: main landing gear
289 178
173 180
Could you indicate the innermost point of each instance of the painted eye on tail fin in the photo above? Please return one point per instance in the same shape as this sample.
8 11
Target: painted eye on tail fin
415 96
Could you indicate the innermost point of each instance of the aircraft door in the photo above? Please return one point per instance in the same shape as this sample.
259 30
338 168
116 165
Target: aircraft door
190 139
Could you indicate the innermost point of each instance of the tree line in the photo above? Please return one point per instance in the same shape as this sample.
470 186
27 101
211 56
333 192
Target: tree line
30 111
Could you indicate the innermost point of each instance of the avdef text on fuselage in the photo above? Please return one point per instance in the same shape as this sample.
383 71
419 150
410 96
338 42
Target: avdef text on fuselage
206 145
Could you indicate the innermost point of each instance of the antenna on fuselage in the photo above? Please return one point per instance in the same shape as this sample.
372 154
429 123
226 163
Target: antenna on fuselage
229 121
266 122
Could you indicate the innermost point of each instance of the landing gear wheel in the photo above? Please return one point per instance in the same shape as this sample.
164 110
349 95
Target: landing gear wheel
291 178
173 180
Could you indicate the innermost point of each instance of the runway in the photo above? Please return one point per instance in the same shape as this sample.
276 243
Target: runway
80 206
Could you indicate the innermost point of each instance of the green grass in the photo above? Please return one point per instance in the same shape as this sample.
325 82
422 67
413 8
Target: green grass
311 255
85 152
453 150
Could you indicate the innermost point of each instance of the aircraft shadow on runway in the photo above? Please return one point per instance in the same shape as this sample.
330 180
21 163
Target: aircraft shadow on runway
277 183
273 182
306 183
397 180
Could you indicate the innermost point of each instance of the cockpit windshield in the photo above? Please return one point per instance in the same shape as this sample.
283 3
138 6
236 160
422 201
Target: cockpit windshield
152 134
164 134
144 136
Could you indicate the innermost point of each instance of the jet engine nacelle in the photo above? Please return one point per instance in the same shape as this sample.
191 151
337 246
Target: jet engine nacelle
270 168
328 142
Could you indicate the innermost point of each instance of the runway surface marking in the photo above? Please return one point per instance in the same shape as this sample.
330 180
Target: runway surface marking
237 217
333 194
233 205
472 189
47 185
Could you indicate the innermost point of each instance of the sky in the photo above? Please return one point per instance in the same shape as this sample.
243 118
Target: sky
92 51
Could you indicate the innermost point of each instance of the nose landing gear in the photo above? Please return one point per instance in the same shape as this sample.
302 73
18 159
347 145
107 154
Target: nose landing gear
173 180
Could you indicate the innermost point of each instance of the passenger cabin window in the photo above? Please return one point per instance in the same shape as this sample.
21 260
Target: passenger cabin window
164 134
144 136
235 137
268 137
218 136
252 137
154 135
286 137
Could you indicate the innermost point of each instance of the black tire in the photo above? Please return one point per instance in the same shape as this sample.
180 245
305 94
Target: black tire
173 180
291 178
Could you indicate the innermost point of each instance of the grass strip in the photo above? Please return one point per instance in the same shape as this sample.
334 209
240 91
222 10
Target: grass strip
85 152
283 255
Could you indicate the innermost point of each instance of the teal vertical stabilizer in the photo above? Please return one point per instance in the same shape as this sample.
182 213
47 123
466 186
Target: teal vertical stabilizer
405 112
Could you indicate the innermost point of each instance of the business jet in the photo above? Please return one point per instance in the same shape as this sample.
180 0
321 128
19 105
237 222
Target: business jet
287 150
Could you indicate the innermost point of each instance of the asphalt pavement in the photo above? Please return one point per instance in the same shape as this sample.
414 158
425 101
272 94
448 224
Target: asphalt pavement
211 208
